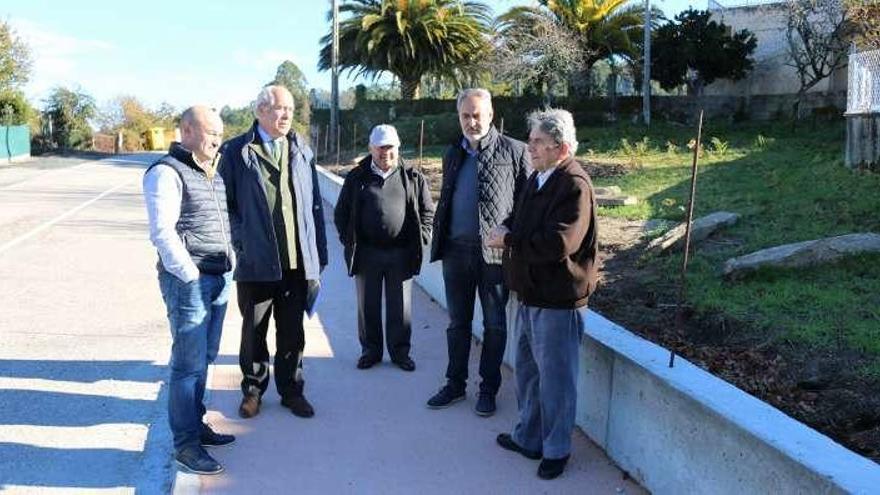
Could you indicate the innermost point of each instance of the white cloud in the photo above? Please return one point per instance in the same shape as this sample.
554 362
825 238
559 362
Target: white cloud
266 61
56 55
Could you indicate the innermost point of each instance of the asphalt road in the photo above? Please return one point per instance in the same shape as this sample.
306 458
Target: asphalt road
83 330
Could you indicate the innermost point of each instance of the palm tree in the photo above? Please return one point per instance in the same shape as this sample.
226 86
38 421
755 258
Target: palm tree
409 38
603 28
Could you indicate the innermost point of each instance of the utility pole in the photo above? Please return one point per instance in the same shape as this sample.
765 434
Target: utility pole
646 67
334 65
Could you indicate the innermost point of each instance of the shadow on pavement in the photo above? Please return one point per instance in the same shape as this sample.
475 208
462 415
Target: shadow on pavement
42 426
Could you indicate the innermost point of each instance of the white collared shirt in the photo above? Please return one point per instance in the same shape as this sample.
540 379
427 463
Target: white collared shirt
544 175
163 192
378 171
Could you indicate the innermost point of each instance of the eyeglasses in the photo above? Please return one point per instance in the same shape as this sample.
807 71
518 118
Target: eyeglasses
540 142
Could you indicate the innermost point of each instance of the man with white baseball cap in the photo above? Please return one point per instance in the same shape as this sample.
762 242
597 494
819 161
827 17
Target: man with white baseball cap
384 216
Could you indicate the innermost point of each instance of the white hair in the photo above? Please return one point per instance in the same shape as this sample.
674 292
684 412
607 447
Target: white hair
265 97
556 123
478 92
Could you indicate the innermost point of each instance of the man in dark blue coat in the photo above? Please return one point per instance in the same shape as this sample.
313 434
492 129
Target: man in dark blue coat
277 221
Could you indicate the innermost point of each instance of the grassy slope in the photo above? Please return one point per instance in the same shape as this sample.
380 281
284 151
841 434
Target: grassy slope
789 186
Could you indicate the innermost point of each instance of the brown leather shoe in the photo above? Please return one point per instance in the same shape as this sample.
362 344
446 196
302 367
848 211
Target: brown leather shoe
250 406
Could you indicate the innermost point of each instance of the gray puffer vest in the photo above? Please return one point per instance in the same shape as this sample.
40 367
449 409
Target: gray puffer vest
203 225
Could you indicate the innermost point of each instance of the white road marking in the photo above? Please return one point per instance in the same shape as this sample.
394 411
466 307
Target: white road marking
119 389
57 490
18 240
128 437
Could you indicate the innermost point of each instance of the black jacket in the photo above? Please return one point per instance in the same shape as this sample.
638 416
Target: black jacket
501 172
253 234
419 211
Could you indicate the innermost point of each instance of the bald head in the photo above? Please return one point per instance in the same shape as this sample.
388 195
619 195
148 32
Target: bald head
274 110
201 131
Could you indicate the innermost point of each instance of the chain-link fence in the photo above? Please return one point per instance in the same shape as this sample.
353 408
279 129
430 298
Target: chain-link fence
863 94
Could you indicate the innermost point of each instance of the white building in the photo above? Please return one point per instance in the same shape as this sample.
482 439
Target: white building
770 75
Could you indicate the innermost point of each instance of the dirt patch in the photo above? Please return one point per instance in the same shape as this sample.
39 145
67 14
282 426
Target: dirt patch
818 388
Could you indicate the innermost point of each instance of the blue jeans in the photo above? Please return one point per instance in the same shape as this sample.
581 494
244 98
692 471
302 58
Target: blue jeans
546 379
195 313
466 274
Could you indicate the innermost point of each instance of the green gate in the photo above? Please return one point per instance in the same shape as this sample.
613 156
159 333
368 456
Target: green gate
15 142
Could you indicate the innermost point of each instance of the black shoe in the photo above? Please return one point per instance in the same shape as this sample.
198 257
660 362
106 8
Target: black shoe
210 438
197 461
506 442
485 405
366 361
298 405
445 397
551 468
405 363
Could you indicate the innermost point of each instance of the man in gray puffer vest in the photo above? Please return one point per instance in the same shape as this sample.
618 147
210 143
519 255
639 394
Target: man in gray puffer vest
482 173
186 206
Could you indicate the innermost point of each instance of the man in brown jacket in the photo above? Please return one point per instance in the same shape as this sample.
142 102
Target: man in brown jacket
550 250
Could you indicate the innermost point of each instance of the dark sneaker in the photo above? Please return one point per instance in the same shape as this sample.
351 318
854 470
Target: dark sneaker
551 468
210 438
406 363
485 405
366 361
445 397
298 405
197 461
250 406
506 442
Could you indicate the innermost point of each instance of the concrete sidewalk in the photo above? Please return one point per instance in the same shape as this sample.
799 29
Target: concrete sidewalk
372 432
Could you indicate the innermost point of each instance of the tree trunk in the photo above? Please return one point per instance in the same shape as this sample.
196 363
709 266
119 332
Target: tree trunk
409 88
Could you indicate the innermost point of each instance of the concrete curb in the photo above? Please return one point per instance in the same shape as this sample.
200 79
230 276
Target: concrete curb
681 429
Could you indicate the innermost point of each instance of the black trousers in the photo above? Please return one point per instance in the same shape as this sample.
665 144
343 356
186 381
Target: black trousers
257 301
384 268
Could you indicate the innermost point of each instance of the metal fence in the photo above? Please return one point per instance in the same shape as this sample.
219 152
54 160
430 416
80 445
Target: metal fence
863 93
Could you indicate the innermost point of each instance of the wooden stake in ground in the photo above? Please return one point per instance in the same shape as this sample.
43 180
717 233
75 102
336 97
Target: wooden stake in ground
327 142
682 288
317 140
338 142
354 138
502 125
421 141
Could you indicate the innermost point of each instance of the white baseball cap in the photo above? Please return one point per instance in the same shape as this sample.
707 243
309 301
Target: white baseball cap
384 135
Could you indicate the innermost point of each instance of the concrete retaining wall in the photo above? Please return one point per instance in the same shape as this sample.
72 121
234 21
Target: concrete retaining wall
682 430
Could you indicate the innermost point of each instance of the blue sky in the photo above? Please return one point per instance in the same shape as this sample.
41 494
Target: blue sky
181 52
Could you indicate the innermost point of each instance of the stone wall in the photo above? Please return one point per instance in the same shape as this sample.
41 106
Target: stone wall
441 123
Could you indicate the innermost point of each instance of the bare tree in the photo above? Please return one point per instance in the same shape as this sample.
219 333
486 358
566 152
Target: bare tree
818 35
865 15
539 55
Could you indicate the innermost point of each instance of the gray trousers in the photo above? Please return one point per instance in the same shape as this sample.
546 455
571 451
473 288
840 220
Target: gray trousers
384 268
546 378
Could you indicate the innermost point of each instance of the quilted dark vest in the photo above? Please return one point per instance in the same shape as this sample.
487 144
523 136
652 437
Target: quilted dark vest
203 225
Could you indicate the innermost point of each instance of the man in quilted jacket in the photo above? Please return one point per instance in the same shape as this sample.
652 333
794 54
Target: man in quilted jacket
482 172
